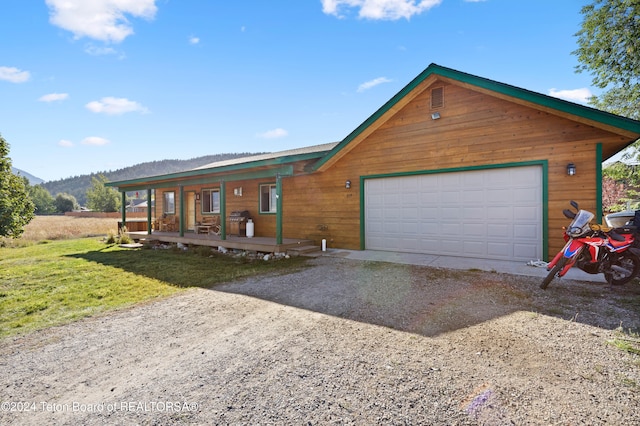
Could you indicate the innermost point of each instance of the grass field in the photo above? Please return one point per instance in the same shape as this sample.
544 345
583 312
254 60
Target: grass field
54 280
43 228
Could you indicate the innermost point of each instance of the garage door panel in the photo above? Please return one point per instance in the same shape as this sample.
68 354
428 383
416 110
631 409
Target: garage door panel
500 213
474 248
493 213
474 230
525 251
472 213
499 229
526 214
471 197
525 231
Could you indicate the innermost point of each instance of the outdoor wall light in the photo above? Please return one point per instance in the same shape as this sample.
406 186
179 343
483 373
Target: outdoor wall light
571 169
347 184
435 115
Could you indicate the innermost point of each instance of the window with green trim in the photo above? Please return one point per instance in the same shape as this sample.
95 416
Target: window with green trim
268 198
210 201
169 205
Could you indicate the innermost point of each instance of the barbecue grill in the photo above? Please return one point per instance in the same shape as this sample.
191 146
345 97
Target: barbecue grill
238 223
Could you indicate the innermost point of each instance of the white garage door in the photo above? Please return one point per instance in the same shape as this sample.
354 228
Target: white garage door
492 214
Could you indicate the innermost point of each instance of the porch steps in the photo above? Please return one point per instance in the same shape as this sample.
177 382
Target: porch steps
305 251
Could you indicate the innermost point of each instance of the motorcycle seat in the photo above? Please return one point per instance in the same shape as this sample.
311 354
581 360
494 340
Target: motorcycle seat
627 229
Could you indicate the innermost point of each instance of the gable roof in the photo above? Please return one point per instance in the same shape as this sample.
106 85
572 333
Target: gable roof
591 116
233 169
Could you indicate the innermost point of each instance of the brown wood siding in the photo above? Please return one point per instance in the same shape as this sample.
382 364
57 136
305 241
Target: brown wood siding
475 129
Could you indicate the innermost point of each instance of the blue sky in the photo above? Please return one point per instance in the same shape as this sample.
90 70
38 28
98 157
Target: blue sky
97 85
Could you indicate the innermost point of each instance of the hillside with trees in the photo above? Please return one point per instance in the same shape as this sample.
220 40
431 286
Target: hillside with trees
77 186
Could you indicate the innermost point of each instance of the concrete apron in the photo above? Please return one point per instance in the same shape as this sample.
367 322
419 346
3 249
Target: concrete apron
452 262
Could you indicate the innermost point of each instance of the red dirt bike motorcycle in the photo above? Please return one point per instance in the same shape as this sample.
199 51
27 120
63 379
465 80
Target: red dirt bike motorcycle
595 249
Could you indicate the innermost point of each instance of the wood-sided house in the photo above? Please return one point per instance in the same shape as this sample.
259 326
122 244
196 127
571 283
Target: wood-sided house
453 164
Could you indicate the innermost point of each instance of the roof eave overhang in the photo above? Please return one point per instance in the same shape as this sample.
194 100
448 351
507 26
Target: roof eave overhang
623 126
282 166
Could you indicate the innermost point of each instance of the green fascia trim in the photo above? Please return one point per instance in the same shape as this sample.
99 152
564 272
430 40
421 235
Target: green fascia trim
599 213
223 211
124 208
279 161
545 192
603 117
279 211
149 211
200 180
182 208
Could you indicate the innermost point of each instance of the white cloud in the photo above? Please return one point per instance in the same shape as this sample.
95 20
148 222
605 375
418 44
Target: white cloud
379 9
94 141
115 106
575 95
65 143
14 75
274 134
194 40
103 20
372 83
52 97
99 51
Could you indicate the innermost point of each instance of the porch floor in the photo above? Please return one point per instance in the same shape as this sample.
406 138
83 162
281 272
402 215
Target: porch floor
260 244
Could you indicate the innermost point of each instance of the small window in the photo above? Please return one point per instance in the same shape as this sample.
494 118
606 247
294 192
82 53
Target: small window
210 201
169 206
268 198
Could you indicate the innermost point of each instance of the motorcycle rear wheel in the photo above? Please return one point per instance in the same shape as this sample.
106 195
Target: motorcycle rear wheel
628 261
553 272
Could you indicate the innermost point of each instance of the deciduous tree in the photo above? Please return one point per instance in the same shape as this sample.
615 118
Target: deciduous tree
609 49
66 203
102 198
16 207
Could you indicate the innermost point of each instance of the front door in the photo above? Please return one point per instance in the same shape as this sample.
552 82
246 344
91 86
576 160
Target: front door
191 211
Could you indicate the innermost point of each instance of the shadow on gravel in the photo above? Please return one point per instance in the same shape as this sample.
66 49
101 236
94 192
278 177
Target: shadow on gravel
431 301
417 299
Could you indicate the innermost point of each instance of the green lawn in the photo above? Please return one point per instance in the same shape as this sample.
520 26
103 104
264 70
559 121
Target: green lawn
49 284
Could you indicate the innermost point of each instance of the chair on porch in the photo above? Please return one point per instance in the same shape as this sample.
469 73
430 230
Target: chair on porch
168 224
209 225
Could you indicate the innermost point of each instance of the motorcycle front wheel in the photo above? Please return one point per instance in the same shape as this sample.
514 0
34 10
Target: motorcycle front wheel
553 272
630 262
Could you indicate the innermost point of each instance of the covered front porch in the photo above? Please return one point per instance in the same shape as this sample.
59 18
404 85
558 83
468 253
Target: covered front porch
231 242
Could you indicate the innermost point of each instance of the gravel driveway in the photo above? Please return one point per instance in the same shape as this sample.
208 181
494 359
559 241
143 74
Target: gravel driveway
339 342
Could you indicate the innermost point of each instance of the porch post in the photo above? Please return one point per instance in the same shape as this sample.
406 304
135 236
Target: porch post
124 210
223 211
149 211
181 224
278 209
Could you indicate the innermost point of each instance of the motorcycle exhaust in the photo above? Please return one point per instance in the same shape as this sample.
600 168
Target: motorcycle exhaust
621 270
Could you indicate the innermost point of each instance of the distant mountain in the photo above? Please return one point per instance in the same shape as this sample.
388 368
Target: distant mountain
32 179
78 185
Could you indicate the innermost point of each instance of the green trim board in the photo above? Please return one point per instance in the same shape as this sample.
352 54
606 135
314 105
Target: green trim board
599 213
241 169
258 174
589 113
545 192
279 209
182 211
